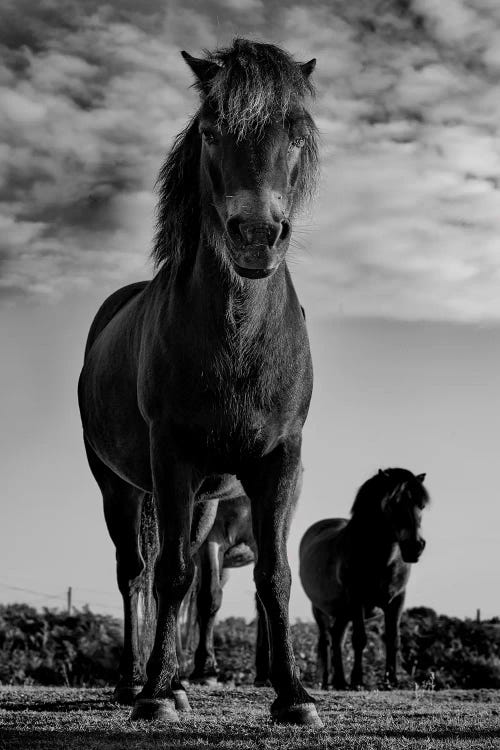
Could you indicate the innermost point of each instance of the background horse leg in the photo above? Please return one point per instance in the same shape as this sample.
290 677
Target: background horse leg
324 646
358 643
209 601
337 664
271 486
174 573
262 652
392 614
122 511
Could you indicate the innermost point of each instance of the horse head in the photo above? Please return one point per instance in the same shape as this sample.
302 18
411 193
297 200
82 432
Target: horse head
402 507
258 152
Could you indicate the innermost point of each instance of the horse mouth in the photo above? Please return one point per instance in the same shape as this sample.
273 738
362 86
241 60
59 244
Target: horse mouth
255 262
253 273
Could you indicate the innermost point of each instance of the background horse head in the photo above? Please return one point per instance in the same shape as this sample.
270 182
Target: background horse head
350 567
391 504
245 163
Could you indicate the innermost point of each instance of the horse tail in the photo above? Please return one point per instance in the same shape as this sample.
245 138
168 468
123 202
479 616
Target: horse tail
150 547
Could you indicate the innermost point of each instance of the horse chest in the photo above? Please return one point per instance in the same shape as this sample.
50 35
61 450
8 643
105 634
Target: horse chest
228 408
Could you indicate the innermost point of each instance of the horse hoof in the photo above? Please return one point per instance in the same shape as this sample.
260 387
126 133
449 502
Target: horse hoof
181 701
154 709
125 695
262 683
304 714
204 680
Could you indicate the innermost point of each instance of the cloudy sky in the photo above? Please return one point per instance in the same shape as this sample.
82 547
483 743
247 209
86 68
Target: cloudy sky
397 263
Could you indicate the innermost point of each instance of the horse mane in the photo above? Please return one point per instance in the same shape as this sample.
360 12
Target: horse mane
384 484
254 85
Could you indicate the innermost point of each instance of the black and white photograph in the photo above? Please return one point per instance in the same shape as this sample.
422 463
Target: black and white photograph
250 374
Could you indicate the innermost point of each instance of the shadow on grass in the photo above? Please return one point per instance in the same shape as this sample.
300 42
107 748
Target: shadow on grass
116 740
438 734
61 706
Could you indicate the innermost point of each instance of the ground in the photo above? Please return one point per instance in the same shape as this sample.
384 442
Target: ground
32 718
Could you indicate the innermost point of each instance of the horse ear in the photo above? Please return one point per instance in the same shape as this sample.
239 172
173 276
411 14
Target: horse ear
421 478
308 67
204 70
382 473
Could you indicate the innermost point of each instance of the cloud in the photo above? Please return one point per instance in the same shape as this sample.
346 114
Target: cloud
407 222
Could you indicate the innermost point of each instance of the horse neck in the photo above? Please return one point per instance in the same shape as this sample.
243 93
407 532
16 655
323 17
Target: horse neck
372 537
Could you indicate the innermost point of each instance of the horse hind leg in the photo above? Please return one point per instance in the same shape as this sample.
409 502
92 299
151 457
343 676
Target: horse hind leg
122 512
209 601
324 645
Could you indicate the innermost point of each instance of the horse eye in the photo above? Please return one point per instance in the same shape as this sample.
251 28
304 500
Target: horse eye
209 137
298 142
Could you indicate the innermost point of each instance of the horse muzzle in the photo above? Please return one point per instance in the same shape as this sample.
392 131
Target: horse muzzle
411 551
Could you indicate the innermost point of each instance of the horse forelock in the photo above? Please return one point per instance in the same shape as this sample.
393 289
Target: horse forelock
254 84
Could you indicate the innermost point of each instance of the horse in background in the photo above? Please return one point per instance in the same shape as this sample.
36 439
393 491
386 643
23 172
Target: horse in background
349 567
196 385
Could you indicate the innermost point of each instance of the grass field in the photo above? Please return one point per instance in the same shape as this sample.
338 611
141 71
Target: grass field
66 718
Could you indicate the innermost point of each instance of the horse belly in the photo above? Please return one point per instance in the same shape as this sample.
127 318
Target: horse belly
238 556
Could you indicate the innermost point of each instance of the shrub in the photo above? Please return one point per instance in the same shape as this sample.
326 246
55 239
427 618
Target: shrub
53 648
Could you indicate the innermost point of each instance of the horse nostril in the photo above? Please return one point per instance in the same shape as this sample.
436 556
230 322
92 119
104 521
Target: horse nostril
234 228
272 235
421 545
285 229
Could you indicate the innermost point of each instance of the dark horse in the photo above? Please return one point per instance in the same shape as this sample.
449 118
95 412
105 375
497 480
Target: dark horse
196 385
348 568
229 544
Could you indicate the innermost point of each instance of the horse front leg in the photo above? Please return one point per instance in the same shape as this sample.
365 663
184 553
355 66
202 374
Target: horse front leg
392 614
337 664
324 647
271 485
174 494
358 643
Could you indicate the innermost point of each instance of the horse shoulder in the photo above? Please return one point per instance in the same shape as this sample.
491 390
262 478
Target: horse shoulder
110 307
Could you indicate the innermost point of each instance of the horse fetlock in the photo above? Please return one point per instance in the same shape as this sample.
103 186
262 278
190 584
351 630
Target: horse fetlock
125 694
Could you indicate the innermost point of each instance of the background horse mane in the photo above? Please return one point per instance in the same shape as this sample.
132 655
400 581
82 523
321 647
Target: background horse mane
385 483
251 86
